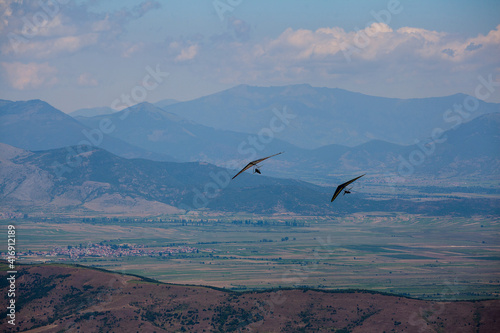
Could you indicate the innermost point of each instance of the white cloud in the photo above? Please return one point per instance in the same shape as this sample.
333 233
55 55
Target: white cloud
406 62
86 80
45 48
474 47
102 25
131 49
188 53
29 76
43 29
81 35
376 48
379 41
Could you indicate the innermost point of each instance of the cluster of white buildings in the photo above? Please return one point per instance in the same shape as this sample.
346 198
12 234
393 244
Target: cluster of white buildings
98 250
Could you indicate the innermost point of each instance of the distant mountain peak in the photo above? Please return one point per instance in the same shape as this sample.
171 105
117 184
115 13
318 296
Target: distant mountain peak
243 87
32 108
323 115
92 112
8 152
37 102
144 105
165 103
36 125
148 108
139 113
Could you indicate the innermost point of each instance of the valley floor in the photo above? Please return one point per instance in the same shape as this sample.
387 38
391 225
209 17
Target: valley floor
438 258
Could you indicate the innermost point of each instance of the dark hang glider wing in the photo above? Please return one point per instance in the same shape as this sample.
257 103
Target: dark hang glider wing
249 165
342 186
253 163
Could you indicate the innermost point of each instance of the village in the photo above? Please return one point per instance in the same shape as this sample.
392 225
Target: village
113 250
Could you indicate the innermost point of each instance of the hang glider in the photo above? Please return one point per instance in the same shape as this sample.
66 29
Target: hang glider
347 191
343 186
255 165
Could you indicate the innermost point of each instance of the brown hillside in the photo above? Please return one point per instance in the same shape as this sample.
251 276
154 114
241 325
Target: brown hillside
59 298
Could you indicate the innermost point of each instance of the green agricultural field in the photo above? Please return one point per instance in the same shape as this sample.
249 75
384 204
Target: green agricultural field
439 258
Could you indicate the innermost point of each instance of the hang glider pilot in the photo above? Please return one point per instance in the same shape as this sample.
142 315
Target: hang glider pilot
254 164
343 187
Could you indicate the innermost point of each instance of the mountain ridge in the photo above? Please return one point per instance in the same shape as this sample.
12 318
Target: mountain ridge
163 132
100 182
190 141
36 125
147 131
324 115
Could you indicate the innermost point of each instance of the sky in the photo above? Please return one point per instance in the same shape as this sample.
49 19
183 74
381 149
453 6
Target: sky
81 54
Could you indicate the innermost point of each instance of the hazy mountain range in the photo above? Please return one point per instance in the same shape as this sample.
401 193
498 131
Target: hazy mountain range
98 181
36 125
328 115
106 110
159 131
64 172
92 112
165 103
146 131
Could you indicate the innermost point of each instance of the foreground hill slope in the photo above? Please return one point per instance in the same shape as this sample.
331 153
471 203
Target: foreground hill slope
55 298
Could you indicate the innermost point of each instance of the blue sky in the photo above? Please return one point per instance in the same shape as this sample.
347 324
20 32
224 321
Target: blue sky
76 54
